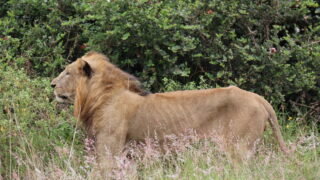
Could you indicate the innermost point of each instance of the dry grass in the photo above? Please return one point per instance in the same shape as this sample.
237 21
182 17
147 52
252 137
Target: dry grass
183 157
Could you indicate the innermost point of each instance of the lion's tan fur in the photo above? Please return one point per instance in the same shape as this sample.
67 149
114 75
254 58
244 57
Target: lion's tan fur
114 110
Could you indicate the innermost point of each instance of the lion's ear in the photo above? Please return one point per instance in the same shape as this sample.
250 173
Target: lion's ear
85 68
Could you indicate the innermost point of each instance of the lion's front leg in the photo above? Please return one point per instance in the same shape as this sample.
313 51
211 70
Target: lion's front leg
109 143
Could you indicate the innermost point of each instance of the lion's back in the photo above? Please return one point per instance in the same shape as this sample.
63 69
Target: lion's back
167 113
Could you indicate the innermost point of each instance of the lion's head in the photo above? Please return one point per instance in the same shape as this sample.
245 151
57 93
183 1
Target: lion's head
86 67
65 84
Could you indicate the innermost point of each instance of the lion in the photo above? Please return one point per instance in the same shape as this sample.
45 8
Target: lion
114 110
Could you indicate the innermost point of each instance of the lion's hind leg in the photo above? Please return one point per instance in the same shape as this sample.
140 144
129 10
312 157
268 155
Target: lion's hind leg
239 150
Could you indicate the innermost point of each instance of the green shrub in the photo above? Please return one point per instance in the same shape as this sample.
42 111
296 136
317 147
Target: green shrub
241 43
30 123
268 47
39 35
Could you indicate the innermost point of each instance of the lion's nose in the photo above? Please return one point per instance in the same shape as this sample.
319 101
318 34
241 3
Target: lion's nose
53 84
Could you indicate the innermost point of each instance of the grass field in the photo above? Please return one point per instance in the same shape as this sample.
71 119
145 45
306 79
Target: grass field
41 140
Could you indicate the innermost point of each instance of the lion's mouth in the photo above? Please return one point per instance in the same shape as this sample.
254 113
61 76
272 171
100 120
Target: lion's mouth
63 97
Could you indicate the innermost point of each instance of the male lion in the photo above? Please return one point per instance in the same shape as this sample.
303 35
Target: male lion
114 109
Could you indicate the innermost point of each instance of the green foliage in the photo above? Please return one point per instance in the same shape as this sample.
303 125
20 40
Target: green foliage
29 122
38 35
269 47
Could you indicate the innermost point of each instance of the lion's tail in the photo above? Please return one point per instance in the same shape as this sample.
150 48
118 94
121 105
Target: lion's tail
273 120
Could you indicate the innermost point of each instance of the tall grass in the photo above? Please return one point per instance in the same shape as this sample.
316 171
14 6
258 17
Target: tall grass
40 140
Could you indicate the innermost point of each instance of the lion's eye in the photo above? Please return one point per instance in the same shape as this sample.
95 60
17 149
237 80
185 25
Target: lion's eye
67 73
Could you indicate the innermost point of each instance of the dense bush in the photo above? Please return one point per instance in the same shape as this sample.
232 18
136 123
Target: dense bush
38 35
269 47
30 123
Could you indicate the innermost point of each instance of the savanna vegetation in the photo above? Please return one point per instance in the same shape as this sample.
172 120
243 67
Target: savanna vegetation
269 47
